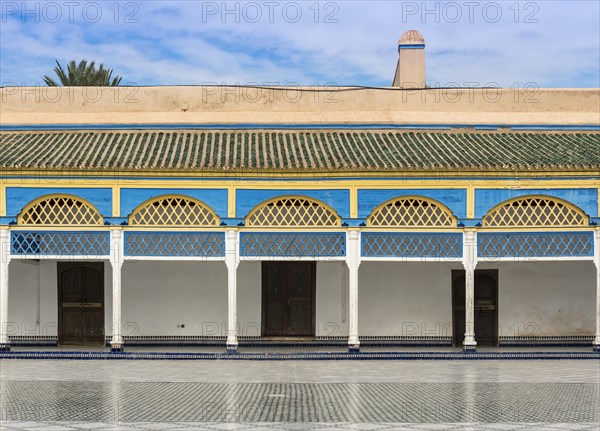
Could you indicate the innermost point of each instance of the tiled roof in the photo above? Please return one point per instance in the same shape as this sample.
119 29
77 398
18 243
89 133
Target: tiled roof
309 150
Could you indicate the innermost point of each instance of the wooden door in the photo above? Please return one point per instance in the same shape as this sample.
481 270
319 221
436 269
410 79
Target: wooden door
81 303
486 307
288 291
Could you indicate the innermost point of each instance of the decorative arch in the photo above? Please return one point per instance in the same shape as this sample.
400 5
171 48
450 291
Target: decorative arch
412 211
293 211
173 210
535 211
61 210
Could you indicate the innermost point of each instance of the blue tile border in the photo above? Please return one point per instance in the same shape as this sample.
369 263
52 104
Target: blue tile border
219 341
304 126
302 356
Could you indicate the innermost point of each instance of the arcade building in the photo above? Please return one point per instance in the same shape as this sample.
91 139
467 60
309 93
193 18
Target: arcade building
404 215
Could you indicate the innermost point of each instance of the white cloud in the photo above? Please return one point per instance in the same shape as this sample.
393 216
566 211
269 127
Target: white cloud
181 43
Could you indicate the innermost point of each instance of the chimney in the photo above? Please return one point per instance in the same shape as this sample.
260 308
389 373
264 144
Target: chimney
410 71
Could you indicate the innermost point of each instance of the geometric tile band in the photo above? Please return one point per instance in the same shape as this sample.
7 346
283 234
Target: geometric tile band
201 405
61 243
293 244
395 244
205 244
535 244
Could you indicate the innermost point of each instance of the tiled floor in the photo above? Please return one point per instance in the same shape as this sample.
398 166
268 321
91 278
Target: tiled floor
301 395
286 426
279 352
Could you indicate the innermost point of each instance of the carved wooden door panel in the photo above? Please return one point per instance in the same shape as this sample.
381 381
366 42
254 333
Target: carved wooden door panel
288 298
81 303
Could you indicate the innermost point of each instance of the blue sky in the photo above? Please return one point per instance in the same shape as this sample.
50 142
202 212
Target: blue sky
506 43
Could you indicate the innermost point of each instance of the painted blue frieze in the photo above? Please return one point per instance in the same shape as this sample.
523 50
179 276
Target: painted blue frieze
586 199
18 197
214 198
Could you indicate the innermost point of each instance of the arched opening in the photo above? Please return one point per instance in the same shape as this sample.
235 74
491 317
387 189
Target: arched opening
173 210
62 210
293 211
535 211
412 211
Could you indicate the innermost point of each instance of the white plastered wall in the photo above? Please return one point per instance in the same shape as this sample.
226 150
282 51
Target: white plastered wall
33 298
198 298
159 297
538 299
331 300
405 299
249 299
545 298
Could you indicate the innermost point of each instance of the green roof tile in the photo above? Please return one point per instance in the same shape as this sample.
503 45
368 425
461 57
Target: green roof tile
308 150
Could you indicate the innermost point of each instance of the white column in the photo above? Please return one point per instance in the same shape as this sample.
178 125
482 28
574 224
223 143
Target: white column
4 262
353 262
597 263
116 261
232 260
469 262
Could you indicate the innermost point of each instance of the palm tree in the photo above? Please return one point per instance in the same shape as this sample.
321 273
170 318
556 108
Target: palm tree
83 75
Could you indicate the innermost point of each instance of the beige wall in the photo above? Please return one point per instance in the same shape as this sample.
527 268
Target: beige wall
146 105
410 72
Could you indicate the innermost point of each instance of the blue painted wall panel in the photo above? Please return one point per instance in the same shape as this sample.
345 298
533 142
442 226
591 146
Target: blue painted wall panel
215 198
455 199
247 199
18 197
586 199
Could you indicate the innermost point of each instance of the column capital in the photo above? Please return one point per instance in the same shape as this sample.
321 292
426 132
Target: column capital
470 235
4 246
353 249
232 255
597 248
116 247
353 234
470 249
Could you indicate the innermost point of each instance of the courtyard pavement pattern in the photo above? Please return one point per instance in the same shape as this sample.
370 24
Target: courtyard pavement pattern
299 395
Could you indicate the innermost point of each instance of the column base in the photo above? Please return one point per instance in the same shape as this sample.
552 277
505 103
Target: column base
470 347
596 347
5 347
116 347
353 349
232 343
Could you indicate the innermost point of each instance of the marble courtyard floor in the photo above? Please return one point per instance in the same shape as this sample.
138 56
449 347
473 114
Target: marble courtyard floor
300 395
